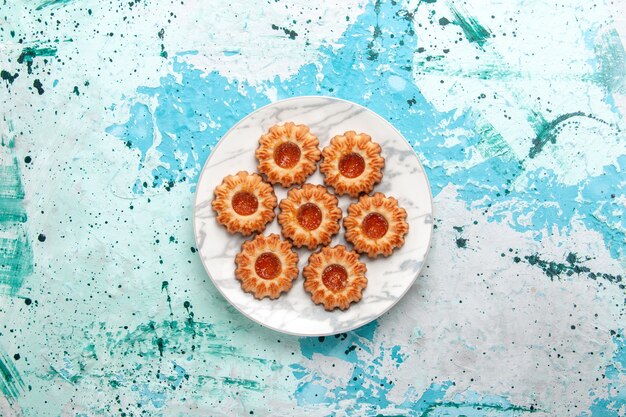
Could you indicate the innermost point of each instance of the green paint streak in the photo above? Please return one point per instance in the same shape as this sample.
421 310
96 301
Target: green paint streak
160 345
12 211
10 183
428 60
490 68
556 269
48 3
474 31
611 58
153 340
491 143
15 260
30 53
289 32
477 406
165 286
10 380
243 383
147 339
548 131
16 255
571 266
246 384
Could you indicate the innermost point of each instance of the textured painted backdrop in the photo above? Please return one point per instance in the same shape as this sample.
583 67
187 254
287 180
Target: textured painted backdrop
109 110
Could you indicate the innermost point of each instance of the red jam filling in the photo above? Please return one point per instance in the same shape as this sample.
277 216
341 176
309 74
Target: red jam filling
309 216
375 225
351 165
244 203
267 266
287 155
335 277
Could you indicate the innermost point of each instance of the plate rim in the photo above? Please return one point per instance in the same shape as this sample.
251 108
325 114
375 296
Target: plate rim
350 328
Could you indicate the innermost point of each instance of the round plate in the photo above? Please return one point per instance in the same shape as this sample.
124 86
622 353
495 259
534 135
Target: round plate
388 278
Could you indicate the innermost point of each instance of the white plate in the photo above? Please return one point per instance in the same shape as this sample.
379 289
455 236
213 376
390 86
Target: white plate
389 278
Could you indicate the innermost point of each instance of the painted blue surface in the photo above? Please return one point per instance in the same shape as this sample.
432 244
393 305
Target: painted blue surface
210 100
91 329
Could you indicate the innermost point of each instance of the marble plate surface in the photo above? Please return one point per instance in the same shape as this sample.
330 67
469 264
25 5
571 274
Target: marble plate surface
389 278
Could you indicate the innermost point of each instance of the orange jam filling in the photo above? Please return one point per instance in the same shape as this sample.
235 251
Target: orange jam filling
351 165
287 155
267 266
245 203
375 225
335 277
309 216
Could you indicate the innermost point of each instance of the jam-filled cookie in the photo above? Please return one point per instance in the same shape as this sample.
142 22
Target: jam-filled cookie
244 203
288 154
335 277
266 266
352 164
309 216
376 225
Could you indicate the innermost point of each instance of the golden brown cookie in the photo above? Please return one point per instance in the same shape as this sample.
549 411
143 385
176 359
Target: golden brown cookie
376 225
352 164
266 266
244 203
309 216
335 277
288 154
